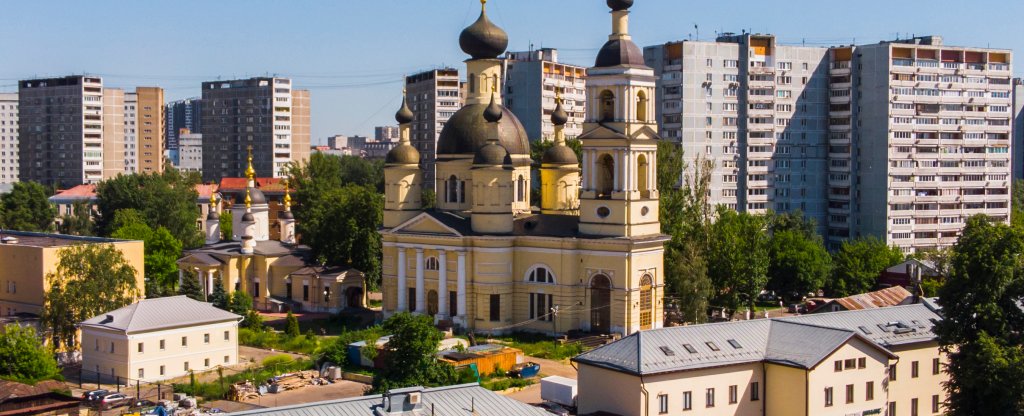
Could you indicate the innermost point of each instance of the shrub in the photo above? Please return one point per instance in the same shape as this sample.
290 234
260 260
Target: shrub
277 360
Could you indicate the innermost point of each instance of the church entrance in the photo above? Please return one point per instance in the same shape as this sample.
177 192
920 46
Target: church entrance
354 297
432 303
600 304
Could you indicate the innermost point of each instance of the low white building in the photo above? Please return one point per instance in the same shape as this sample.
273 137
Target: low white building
157 339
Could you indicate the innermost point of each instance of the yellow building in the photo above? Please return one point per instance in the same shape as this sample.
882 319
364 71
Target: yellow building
26 258
278 274
881 361
158 339
484 259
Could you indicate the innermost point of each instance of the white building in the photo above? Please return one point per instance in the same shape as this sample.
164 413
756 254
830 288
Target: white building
190 151
8 137
533 80
160 338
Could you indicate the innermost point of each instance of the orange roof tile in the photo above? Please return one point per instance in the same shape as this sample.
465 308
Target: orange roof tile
79 191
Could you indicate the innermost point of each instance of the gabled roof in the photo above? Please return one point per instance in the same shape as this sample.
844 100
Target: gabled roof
802 341
890 296
85 192
160 313
205 191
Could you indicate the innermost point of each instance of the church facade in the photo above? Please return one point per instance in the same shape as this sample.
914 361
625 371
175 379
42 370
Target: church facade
590 259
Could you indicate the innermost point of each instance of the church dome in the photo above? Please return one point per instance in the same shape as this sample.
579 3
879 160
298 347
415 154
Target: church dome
248 217
483 39
467 131
560 154
617 52
618 5
286 215
559 117
404 114
255 195
492 154
403 154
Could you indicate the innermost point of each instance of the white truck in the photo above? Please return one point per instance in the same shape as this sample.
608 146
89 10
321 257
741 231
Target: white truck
560 390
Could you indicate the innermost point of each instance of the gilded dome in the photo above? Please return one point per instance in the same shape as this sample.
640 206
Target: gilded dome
467 131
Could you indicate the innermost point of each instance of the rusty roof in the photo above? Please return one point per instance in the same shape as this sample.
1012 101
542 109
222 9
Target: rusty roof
890 296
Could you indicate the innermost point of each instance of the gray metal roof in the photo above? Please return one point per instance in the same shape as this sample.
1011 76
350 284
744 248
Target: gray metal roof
160 313
802 341
449 401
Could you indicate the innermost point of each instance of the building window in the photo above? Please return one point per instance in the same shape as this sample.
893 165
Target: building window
849 393
913 369
540 304
206 362
540 274
161 346
892 408
687 400
161 370
225 359
838 365
305 292
755 391
432 263
862 362
186 365
892 372
869 391
184 341
709 397
850 364
935 403
936 367
733 394
142 373
913 407
662 403
828 397
256 289
227 335
111 347
495 301
140 348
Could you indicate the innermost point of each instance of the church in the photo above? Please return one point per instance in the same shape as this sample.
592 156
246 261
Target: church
484 259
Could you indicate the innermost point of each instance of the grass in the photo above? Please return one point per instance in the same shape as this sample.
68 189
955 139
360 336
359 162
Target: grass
540 346
218 389
506 383
303 344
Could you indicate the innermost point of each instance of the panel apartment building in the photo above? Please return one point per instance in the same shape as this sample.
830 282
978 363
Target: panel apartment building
757 110
533 80
71 130
182 114
144 130
919 140
433 96
265 113
8 138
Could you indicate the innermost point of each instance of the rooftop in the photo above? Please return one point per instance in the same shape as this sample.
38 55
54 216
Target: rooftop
890 296
77 193
30 239
160 313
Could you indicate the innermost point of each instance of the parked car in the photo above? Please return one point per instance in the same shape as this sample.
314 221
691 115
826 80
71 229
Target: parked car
554 408
111 401
141 404
92 395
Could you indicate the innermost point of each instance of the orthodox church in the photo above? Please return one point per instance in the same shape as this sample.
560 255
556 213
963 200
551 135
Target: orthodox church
278 274
484 260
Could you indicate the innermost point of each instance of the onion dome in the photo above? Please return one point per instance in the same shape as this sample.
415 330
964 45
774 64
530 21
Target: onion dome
467 130
286 215
493 111
559 154
492 154
248 217
617 52
619 5
483 39
403 154
213 215
404 114
255 195
559 117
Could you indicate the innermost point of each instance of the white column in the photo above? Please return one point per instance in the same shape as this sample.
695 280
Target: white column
442 285
592 167
627 169
461 285
209 283
616 172
403 291
421 293
586 167
181 276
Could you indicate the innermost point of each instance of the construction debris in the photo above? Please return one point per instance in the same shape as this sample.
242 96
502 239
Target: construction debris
246 390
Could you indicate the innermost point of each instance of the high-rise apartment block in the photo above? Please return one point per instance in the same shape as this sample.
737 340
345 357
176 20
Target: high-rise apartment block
265 113
919 140
434 96
71 130
533 81
190 151
150 125
755 108
8 138
385 133
131 139
182 114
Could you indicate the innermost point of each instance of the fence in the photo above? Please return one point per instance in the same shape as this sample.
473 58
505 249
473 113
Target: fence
140 389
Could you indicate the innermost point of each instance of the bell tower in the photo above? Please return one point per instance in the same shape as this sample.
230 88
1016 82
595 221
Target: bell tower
403 178
620 196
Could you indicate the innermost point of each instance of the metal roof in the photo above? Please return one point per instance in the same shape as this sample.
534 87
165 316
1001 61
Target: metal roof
465 399
890 296
802 341
160 313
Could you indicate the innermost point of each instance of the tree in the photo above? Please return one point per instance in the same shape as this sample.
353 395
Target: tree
190 287
798 263
79 222
165 199
161 253
253 320
341 229
291 325
1017 204
983 325
24 357
857 265
226 224
90 279
218 297
410 358
27 208
240 303
738 260
429 198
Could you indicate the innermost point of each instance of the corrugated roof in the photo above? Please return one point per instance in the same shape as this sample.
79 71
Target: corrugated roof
449 401
801 341
160 313
890 296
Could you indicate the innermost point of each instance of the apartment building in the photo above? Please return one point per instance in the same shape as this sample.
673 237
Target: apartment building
533 81
1017 160
150 135
8 137
919 140
265 113
433 96
131 138
756 109
181 114
159 339
385 133
883 361
71 130
190 151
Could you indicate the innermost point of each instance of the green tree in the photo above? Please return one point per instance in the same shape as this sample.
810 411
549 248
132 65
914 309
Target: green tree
165 199
429 198
190 287
410 359
24 357
291 325
226 222
240 303
90 279
162 251
857 265
27 208
797 263
253 320
738 260
218 297
126 216
983 325
79 222
1017 204
341 229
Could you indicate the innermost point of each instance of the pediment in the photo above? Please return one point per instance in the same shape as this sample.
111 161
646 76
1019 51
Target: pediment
645 133
602 132
425 224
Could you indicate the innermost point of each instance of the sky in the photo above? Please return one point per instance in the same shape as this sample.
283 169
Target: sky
353 55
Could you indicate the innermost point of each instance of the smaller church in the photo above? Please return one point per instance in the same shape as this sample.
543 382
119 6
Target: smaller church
486 259
278 274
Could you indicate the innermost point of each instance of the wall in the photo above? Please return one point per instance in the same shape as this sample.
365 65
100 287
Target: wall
925 385
824 376
608 391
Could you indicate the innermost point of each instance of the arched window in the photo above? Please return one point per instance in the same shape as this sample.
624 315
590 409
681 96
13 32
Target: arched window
431 263
641 106
605 176
600 304
607 106
472 83
540 274
462 191
641 177
646 301
452 195
521 189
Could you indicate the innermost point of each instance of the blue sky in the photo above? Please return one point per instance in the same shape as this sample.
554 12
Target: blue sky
352 54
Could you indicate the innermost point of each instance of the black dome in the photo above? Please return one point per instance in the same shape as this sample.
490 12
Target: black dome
255 195
617 5
213 215
286 215
403 154
248 217
483 39
559 117
493 111
492 154
404 114
467 131
617 52
560 155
